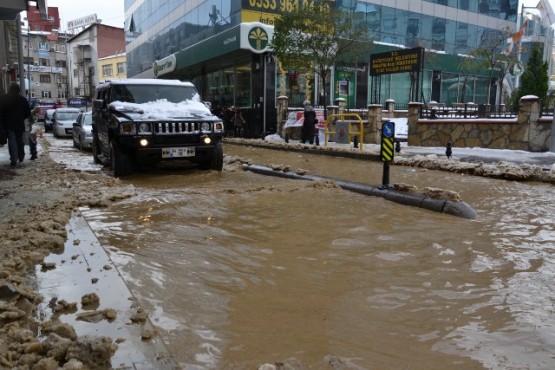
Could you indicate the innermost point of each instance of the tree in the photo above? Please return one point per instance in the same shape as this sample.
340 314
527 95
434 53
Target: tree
314 38
534 79
493 55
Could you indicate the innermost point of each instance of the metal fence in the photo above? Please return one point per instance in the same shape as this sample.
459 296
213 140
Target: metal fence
466 111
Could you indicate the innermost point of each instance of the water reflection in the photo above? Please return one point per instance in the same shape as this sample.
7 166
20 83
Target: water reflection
239 269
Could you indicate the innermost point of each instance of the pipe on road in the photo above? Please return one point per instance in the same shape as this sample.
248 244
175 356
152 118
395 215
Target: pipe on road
454 208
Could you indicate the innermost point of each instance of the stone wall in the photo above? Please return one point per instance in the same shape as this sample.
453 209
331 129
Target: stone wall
526 132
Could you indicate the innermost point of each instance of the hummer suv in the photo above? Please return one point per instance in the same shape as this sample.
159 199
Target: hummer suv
140 122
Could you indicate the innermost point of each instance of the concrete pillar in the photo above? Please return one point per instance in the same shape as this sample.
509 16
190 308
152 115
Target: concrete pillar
372 133
528 115
389 108
412 121
341 104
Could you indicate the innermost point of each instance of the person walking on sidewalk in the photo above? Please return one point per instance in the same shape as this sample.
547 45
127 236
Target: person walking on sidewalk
307 131
14 109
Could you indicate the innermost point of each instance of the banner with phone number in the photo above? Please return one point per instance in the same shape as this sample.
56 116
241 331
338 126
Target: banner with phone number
276 6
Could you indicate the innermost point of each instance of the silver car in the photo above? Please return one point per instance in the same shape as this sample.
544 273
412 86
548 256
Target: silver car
63 121
82 131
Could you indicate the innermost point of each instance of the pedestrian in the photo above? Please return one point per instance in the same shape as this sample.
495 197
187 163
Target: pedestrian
238 122
449 150
31 133
309 124
14 109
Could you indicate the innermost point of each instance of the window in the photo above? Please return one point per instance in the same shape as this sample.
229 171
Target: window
43 46
61 94
29 60
44 62
121 68
45 79
76 91
61 79
107 69
46 94
76 73
61 63
60 48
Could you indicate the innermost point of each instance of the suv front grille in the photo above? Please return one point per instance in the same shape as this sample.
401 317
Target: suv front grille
176 127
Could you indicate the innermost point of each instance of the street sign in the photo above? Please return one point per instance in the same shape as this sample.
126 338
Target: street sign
388 138
388 129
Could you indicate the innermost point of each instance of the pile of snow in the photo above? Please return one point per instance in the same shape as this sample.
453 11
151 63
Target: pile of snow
162 108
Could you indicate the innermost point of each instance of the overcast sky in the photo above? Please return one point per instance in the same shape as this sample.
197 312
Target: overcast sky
111 11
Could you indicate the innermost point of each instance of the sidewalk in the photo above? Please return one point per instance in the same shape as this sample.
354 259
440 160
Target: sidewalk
546 160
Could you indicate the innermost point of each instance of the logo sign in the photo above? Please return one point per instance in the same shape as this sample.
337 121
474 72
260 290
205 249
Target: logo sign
256 37
164 65
77 102
399 61
81 22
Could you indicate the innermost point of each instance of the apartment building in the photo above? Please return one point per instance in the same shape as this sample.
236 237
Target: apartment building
10 31
112 67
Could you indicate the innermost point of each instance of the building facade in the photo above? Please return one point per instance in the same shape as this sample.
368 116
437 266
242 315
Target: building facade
112 67
84 49
11 50
45 66
211 43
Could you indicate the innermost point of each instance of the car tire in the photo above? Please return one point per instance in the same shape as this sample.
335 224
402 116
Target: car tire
119 160
216 160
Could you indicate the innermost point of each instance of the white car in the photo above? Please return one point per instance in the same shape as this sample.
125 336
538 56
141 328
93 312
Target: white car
63 121
82 131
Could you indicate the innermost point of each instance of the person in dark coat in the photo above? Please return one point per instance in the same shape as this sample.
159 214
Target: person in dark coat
14 109
309 124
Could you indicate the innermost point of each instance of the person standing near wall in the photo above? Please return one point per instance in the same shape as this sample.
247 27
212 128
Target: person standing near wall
14 109
308 129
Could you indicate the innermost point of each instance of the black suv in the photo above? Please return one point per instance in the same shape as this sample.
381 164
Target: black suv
138 122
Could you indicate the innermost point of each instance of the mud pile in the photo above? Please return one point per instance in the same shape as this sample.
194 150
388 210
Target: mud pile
36 202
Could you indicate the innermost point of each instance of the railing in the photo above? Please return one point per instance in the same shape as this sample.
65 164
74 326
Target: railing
465 111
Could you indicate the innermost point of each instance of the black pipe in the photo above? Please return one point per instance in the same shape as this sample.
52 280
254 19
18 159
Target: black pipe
454 208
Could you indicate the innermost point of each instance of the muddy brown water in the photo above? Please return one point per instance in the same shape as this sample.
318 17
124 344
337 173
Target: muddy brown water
238 269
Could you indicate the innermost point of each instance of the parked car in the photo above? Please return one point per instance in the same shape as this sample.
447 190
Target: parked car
63 121
48 120
140 122
82 131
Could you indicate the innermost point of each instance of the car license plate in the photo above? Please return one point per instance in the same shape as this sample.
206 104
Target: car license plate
178 152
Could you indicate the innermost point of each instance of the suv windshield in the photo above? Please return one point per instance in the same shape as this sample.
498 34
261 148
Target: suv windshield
147 93
67 116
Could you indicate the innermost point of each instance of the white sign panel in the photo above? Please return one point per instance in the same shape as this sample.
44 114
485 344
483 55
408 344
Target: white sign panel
81 22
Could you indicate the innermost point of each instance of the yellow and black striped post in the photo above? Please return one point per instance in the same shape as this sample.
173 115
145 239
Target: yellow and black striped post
386 151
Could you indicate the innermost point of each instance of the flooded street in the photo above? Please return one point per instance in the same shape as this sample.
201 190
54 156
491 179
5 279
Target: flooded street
238 269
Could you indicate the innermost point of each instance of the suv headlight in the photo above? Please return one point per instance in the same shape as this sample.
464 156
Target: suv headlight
205 126
144 128
127 128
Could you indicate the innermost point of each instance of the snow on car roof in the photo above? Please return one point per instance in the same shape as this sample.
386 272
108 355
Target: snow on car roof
145 81
162 108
